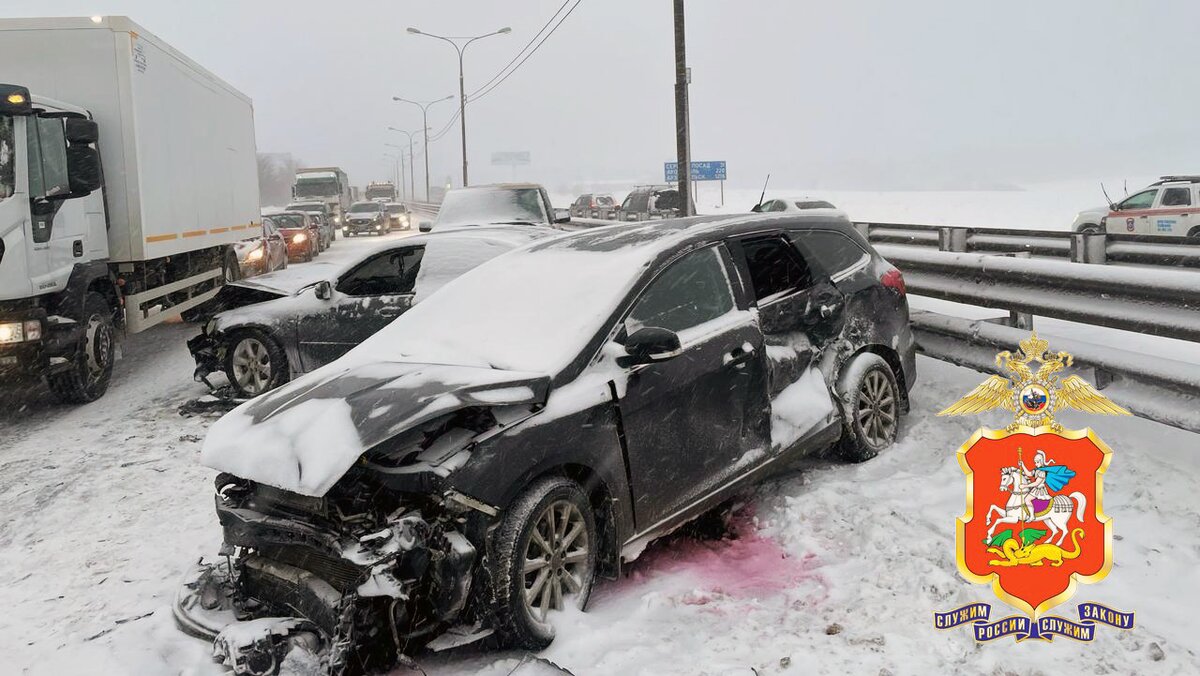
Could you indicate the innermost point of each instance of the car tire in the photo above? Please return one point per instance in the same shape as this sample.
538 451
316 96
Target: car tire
254 362
1090 228
87 379
566 574
1194 233
871 401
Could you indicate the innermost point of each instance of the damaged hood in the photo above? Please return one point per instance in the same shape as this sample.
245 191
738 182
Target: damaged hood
290 281
304 436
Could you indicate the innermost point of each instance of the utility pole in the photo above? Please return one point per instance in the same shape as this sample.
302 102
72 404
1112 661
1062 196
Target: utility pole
682 133
411 173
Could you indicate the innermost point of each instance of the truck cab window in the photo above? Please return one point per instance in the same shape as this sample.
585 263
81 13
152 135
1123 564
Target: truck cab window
8 158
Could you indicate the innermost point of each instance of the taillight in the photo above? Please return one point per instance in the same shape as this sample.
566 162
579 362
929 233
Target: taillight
893 280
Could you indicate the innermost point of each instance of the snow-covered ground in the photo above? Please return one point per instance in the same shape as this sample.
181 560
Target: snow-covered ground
836 569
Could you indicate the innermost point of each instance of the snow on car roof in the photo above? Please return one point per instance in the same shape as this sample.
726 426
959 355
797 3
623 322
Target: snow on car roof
534 309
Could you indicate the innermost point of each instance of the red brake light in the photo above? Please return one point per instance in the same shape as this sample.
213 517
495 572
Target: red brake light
892 279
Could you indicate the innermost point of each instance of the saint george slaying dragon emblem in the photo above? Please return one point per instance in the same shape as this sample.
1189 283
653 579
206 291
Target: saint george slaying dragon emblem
1034 524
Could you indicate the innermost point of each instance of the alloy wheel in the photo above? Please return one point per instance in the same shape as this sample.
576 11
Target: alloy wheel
252 365
556 563
877 410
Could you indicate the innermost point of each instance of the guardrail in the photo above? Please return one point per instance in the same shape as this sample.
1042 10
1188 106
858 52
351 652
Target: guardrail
1100 248
1143 284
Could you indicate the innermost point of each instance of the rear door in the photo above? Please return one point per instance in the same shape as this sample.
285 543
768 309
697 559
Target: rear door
365 299
697 421
800 311
1174 213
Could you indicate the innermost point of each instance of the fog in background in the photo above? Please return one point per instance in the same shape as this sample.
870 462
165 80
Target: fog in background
923 94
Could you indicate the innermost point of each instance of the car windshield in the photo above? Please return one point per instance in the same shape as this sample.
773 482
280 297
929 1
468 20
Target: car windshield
530 324
364 208
316 187
481 206
288 220
395 208
8 158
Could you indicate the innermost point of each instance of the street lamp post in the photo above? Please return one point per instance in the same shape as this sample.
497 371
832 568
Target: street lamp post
396 162
410 158
462 93
425 123
400 167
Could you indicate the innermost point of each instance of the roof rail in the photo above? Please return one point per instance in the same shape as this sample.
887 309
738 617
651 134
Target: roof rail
1177 179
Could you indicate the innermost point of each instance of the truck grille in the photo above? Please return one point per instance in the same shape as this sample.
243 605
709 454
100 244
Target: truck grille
339 573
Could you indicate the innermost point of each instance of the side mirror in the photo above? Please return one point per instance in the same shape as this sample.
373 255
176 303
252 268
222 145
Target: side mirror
649 345
323 290
425 226
562 215
756 208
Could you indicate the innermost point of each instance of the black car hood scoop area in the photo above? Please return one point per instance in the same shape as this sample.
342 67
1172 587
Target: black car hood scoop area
304 436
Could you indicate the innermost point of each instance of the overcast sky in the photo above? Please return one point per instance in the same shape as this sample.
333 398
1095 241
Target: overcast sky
838 94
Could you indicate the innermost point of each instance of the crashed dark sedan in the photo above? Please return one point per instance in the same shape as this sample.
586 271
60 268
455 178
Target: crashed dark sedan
474 467
270 329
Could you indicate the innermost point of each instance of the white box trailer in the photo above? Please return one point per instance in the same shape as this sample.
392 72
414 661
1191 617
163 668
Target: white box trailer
177 142
173 148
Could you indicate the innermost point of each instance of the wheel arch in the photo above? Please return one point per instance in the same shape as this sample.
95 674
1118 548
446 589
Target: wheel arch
893 361
272 333
600 497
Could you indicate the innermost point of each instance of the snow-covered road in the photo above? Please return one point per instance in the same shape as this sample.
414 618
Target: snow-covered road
837 569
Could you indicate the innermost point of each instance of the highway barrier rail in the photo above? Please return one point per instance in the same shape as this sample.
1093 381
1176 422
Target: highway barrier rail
1148 285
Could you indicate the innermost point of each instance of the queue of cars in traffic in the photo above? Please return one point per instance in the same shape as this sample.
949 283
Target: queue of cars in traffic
471 426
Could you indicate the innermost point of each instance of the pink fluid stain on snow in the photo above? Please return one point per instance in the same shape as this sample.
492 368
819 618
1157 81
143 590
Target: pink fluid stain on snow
746 565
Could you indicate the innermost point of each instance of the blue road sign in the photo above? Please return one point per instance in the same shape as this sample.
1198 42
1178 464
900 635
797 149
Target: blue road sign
701 171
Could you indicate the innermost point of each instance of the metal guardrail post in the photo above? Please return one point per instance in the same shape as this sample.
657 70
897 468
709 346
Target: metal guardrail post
1089 247
952 239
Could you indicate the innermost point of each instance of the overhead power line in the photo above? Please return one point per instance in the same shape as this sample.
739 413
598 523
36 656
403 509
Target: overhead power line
486 89
518 54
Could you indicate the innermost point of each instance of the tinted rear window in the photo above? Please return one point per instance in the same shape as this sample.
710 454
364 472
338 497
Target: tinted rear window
834 251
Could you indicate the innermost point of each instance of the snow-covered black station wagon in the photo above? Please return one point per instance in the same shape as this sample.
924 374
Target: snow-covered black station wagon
475 466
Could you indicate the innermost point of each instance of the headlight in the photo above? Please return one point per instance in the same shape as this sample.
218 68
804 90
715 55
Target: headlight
255 255
16 332
299 238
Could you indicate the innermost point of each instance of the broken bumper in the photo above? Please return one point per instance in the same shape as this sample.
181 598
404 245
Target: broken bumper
205 350
285 584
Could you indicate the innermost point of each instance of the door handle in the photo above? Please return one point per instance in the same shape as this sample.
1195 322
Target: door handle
738 355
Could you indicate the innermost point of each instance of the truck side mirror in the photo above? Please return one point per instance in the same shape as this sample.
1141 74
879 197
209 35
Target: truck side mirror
83 170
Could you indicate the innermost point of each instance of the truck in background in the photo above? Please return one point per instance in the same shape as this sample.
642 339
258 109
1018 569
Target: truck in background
384 191
328 184
127 173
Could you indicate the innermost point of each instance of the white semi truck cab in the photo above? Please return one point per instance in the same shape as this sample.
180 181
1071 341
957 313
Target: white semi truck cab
126 174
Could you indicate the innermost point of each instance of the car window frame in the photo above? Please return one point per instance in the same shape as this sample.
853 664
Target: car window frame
818 265
738 242
363 263
1153 200
1186 190
698 333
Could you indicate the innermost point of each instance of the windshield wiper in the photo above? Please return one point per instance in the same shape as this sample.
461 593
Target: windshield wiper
514 223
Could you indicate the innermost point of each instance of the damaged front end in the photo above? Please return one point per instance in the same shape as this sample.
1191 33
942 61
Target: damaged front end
350 581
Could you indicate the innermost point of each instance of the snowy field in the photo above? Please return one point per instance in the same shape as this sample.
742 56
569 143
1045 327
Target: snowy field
835 569
1042 206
